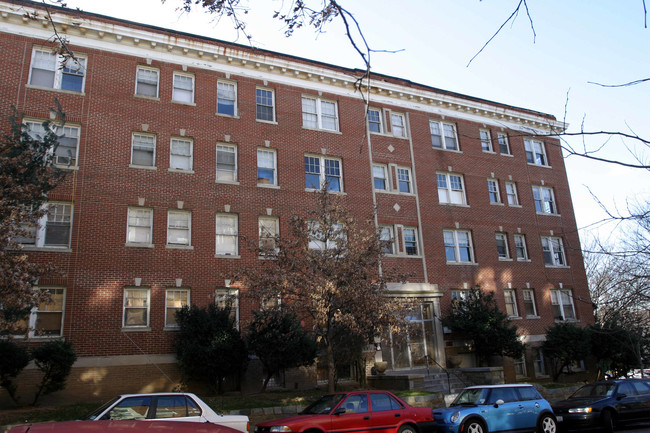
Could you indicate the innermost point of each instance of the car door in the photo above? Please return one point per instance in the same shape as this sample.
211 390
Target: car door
626 401
643 389
176 408
352 415
385 412
504 416
529 400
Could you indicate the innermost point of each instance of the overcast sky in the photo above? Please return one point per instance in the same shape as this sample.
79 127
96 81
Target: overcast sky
575 43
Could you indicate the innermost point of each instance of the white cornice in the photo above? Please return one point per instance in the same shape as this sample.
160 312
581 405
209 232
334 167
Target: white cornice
89 32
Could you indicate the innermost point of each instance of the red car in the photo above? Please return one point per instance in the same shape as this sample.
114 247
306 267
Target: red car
358 411
122 427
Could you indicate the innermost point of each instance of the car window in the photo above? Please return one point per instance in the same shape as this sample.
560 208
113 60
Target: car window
175 406
470 396
527 393
357 403
642 387
505 394
626 388
131 408
323 405
381 402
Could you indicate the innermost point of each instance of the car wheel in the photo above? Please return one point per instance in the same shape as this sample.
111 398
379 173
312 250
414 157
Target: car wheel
407 429
474 426
547 424
609 422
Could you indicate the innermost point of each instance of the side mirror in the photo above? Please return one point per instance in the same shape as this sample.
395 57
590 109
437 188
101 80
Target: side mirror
339 411
621 396
498 403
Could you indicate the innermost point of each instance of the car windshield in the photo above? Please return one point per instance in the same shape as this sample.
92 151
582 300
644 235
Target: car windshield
472 396
323 405
595 390
94 414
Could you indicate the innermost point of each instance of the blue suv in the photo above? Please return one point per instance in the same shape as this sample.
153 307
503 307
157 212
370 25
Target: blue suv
496 408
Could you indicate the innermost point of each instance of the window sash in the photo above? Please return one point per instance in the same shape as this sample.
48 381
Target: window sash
511 303
319 114
520 247
266 162
535 152
140 225
147 82
450 188
544 200
265 105
55 72
318 170
226 163
379 174
179 225
136 308
268 230
493 191
226 235
562 302
410 241
374 121
386 235
458 246
226 98
404 180
553 249
58 225
66 151
504 147
529 302
181 154
143 150
183 90
397 125
175 299
511 194
502 246
486 141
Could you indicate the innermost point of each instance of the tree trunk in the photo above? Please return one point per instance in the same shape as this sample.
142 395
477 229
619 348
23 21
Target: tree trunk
266 381
331 368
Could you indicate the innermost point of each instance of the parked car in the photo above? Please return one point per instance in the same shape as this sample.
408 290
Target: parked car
496 408
604 405
377 411
171 406
124 426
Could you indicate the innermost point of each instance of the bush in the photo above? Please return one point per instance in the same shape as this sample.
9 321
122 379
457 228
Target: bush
13 360
55 360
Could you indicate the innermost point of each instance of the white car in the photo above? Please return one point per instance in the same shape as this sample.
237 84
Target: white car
169 406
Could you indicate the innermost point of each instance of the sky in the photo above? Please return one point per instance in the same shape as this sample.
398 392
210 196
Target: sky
549 69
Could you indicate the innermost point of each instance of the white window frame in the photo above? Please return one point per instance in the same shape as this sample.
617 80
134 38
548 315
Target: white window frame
268 230
511 194
262 102
503 250
313 117
222 95
521 250
510 297
529 299
229 232
448 189
323 174
379 121
504 145
267 160
46 308
59 67
179 298
412 239
319 244
140 80
553 249
453 235
226 175
147 306
177 154
382 171
486 140
66 134
138 145
535 152
139 219
224 296
561 300
398 125
63 213
404 177
179 225
387 234
180 91
520 366
493 191
544 199
444 138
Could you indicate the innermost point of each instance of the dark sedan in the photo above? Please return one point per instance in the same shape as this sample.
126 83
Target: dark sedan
605 405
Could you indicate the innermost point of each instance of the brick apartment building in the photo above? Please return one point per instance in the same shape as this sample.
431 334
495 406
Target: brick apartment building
178 145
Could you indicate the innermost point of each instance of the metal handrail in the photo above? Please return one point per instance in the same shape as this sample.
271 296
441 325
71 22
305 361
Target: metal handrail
447 372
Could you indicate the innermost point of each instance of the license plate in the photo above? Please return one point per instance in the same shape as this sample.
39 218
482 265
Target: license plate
559 419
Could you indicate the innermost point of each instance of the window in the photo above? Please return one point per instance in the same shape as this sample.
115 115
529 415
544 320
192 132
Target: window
520 371
179 228
269 228
450 188
529 302
228 298
183 90
226 98
387 237
375 123
486 140
493 191
57 72
266 167
140 226
535 152
544 200
321 239
226 235
68 137
226 163
458 295
502 246
511 303
143 150
504 147
175 300
319 170
46 319
319 114
458 246
520 247
538 363
383 402
404 180
397 124
180 154
265 103
553 251
410 241
562 301
136 308
380 177
146 82
443 135
53 229
511 194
